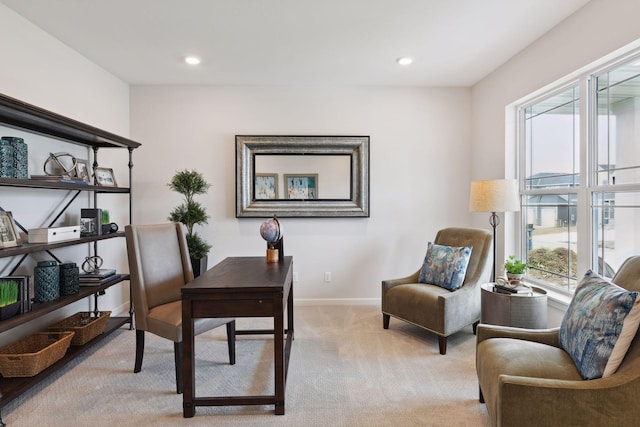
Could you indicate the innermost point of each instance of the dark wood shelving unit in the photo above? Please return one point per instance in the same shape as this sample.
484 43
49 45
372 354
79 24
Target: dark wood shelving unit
20 115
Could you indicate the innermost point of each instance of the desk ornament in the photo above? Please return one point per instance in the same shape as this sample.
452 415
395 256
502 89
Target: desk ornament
271 231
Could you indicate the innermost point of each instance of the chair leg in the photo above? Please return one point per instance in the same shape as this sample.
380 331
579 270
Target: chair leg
442 343
231 341
177 351
385 320
481 396
139 350
475 328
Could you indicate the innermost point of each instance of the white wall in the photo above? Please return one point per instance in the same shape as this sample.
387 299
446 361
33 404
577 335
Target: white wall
419 172
38 69
593 32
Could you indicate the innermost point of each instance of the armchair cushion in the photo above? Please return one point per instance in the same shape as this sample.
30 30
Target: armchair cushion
445 266
599 325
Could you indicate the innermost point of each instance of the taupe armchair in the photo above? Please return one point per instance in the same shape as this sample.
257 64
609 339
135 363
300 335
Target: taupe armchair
526 379
159 265
437 309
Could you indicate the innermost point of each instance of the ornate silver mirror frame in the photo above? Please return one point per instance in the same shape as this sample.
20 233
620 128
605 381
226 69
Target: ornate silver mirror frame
248 147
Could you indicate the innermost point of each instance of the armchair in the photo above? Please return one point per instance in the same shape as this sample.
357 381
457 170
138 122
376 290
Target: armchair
527 379
437 309
160 266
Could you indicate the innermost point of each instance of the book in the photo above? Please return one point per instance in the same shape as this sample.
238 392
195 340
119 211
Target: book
107 279
73 181
96 276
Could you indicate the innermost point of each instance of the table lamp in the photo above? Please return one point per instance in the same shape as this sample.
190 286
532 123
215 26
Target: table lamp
496 195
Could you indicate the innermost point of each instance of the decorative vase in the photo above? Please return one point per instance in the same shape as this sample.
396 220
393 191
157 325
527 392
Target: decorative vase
46 281
69 279
7 169
20 157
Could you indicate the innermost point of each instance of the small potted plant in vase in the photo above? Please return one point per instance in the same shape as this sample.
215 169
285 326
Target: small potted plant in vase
515 269
191 213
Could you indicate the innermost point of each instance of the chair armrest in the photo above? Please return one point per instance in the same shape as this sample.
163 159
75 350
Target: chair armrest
544 336
565 402
388 284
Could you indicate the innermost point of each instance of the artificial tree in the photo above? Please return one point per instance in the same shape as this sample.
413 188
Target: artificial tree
190 183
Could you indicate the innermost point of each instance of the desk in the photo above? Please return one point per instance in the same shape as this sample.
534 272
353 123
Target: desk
519 310
240 287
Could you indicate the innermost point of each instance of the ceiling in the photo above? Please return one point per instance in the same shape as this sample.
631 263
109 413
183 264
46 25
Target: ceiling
297 42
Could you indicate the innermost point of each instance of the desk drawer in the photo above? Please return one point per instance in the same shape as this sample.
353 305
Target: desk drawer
231 308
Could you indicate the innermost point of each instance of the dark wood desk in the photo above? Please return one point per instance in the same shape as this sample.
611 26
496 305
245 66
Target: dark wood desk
240 287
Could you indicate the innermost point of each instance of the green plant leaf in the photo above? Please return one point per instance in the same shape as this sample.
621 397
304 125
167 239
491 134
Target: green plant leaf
190 212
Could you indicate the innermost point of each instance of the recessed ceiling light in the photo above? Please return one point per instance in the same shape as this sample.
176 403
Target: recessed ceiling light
192 60
404 60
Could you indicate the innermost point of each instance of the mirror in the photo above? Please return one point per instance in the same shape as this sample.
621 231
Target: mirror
302 176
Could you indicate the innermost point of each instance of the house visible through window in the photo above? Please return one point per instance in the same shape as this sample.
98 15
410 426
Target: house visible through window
555 218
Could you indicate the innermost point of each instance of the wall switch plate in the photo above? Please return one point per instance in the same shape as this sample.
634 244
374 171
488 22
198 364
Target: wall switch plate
327 276
295 276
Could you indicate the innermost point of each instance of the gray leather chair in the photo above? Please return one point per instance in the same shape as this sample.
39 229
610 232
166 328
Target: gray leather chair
160 266
527 379
437 309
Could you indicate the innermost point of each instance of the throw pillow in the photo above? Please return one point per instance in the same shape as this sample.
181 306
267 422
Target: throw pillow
445 266
599 325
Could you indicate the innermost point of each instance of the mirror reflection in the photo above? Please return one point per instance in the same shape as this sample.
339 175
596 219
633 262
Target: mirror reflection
300 177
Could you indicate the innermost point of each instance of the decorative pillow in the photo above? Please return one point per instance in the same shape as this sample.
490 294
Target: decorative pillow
445 266
599 325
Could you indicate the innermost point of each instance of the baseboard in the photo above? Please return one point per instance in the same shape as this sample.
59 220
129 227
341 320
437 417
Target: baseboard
337 301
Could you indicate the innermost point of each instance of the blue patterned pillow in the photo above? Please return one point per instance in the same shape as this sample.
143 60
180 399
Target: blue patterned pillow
445 266
599 326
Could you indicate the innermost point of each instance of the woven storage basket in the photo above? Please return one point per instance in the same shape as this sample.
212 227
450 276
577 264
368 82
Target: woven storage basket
33 354
84 324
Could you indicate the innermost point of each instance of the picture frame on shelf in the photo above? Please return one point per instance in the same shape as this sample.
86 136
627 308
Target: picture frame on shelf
266 186
105 177
83 170
90 222
301 186
8 234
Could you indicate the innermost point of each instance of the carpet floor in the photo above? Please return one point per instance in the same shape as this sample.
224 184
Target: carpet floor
345 370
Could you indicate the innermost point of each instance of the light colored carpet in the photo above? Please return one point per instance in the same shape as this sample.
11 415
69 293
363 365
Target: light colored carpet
345 370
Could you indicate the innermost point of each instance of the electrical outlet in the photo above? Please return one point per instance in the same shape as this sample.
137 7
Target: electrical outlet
327 276
295 276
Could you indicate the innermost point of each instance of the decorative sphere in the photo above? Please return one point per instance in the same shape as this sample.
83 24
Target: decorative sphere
271 231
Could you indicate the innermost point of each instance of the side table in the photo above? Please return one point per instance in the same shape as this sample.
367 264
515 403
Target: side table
519 310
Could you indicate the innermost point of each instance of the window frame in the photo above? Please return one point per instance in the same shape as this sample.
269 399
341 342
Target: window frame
588 187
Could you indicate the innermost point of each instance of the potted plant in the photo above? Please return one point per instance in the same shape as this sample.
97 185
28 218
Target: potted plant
515 269
191 213
9 304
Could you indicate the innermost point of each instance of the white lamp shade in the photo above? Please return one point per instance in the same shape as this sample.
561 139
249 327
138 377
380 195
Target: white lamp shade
495 195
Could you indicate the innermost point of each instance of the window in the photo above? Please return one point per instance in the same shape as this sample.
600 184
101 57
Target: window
581 209
551 177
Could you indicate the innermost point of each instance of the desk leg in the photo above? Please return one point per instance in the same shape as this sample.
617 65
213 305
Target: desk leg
290 314
188 362
278 345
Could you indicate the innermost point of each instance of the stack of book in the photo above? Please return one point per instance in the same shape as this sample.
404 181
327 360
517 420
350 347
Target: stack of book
98 277
520 289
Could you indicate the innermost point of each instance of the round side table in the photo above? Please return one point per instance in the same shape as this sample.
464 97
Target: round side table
519 310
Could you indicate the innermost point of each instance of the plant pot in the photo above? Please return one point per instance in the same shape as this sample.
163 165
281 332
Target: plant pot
199 266
514 279
9 311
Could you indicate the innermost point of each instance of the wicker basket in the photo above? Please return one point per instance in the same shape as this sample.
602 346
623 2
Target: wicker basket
85 324
33 354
